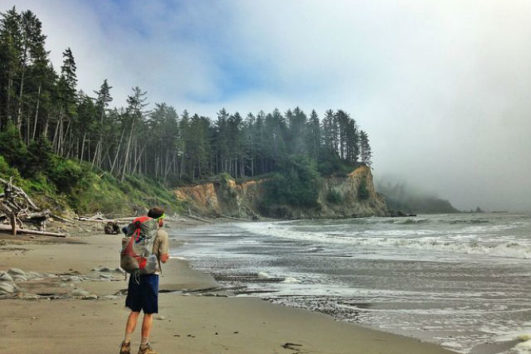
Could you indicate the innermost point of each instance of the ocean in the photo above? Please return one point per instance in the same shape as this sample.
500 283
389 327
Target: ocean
459 280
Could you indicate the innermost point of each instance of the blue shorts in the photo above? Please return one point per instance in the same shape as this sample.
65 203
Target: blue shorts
143 295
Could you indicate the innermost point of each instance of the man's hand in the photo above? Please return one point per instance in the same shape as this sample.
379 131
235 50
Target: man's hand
164 257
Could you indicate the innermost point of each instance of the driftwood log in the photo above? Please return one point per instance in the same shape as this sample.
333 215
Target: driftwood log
17 207
32 232
19 191
104 220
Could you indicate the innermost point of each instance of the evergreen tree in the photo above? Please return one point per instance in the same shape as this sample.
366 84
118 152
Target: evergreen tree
10 49
102 103
134 120
43 109
313 136
365 149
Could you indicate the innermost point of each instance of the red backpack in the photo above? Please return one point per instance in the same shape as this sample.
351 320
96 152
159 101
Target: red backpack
136 255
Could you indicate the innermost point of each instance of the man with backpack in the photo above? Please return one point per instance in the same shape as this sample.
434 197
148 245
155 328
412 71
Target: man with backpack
143 250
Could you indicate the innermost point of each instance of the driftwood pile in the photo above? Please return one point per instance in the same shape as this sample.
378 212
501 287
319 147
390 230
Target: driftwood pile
111 225
17 208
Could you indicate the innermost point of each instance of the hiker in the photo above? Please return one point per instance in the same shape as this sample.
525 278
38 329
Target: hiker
142 292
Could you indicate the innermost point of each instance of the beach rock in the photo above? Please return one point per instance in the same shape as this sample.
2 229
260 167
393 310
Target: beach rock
73 278
102 269
106 276
160 317
19 278
33 275
7 288
110 297
16 271
26 296
4 276
80 292
90 297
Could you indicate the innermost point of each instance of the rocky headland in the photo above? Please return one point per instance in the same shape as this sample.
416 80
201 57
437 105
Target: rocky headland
352 195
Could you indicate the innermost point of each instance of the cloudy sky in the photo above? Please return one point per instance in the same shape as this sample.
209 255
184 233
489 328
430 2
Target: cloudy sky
443 88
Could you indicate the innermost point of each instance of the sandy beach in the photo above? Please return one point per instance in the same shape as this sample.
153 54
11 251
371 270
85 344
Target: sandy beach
70 298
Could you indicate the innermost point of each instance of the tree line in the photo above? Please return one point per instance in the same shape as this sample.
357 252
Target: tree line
43 106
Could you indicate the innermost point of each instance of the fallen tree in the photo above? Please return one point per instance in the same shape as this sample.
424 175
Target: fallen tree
18 208
32 232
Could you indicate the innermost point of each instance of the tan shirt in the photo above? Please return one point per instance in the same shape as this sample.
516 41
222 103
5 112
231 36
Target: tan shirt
161 246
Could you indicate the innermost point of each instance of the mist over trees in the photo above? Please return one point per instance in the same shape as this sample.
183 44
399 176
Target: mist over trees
43 112
401 197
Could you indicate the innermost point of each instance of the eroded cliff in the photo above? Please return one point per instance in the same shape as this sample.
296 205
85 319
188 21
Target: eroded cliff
350 196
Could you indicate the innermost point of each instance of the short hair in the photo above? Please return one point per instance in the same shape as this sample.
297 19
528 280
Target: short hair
155 212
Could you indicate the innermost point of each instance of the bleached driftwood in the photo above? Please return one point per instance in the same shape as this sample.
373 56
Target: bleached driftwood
21 192
99 217
59 218
18 206
32 232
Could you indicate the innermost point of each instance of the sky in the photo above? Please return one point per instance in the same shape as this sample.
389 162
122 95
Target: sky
441 87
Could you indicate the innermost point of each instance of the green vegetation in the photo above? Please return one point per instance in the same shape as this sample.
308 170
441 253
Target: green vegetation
76 186
363 192
64 142
334 197
61 184
296 185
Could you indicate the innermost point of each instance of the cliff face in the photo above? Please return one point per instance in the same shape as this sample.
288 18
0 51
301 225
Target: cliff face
350 196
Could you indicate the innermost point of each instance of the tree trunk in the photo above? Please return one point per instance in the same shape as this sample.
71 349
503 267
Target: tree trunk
96 152
45 128
83 146
55 141
182 167
97 156
8 97
117 151
13 221
37 114
21 91
137 160
127 151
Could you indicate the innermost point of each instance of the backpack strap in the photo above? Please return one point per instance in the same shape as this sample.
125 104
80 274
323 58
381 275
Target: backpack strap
137 223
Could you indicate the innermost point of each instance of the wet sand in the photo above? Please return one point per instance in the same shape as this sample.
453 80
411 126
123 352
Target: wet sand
74 302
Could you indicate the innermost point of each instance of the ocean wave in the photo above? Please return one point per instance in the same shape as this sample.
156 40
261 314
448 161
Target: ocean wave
475 240
409 221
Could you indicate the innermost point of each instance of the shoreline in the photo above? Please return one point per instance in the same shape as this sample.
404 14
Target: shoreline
72 297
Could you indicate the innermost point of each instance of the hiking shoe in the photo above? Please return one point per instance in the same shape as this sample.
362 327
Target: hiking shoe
147 350
125 348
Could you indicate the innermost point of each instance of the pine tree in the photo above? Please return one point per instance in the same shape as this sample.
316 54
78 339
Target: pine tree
365 149
67 96
134 119
313 136
102 103
10 49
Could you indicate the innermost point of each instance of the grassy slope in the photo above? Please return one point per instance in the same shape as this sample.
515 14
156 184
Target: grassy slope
92 191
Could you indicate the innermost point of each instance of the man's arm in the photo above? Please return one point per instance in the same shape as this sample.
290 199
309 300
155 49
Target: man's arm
162 243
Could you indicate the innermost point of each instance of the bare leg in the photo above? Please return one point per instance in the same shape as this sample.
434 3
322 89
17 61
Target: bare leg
147 323
131 323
